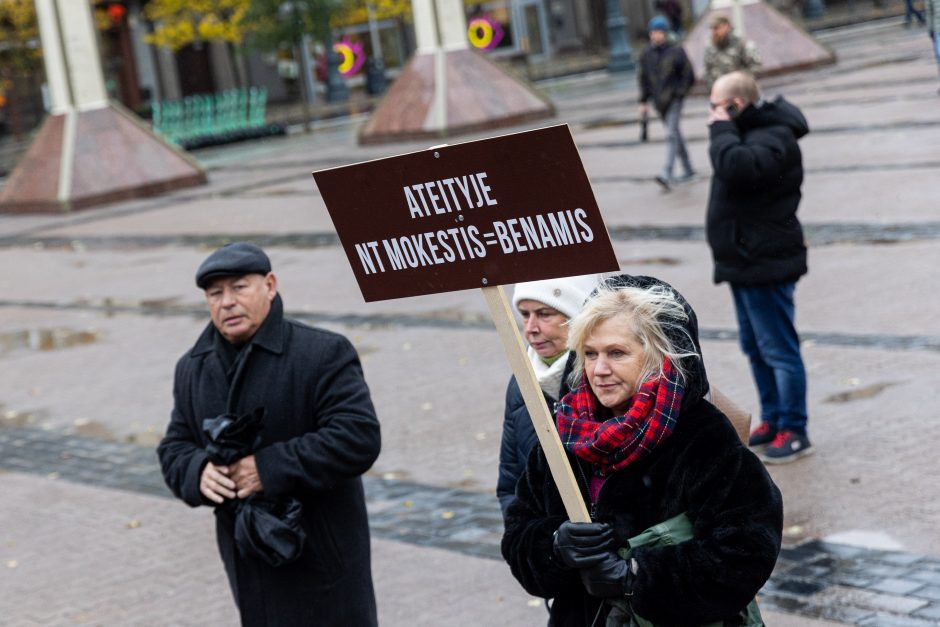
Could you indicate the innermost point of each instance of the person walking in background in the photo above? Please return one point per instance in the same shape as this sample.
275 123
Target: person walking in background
932 8
545 308
686 523
726 52
910 12
758 248
319 435
672 10
665 76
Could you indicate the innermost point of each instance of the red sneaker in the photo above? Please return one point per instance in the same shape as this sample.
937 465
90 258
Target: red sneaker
763 434
787 447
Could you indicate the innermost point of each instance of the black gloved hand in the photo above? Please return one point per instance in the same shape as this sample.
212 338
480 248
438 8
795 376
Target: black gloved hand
611 577
579 545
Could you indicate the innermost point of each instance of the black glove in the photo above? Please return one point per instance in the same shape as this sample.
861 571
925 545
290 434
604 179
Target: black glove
611 577
579 545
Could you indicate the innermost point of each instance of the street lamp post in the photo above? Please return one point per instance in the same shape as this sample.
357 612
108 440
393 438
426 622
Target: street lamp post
814 8
621 56
336 90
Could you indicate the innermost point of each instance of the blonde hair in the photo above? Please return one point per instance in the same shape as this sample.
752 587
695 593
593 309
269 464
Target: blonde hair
655 317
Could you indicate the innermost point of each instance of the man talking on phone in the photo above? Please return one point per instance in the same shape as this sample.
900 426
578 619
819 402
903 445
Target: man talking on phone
758 248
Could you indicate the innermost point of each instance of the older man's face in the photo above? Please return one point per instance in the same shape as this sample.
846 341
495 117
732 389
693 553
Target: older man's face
239 304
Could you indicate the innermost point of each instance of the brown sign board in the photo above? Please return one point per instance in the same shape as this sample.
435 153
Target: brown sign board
503 210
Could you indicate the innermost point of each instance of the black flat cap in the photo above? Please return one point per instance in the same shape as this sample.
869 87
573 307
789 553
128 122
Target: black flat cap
233 259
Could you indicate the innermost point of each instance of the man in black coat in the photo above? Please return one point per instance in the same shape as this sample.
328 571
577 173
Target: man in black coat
319 434
665 76
758 248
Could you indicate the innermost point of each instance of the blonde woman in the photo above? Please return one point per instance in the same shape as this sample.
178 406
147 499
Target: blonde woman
687 522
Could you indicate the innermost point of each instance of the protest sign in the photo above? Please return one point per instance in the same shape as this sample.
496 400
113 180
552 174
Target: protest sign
481 214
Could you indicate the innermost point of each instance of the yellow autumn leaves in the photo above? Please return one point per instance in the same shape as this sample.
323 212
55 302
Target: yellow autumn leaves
19 33
180 22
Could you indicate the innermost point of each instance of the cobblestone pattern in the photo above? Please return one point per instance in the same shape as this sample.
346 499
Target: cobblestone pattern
816 579
855 585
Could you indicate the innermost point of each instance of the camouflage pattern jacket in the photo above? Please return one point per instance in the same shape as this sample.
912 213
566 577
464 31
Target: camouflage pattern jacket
735 54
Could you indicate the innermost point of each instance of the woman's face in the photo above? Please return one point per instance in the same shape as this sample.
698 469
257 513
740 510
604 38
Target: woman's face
544 327
613 362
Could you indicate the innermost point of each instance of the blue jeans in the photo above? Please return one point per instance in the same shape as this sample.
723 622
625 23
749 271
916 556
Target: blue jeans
766 316
675 144
936 47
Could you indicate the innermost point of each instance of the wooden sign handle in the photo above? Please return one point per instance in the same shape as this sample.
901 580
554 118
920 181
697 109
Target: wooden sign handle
542 418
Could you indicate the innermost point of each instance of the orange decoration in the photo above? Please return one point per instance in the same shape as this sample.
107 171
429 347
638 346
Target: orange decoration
116 12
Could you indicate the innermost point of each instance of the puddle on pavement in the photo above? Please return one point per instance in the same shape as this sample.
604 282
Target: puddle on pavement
13 418
160 303
651 261
603 123
391 475
46 339
869 391
149 438
456 314
86 428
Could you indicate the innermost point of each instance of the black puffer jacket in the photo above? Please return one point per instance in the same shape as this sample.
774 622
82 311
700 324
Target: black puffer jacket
703 470
752 226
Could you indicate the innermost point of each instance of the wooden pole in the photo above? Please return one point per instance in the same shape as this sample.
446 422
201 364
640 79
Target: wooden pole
542 418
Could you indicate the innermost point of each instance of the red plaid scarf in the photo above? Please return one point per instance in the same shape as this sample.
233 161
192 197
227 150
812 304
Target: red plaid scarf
617 442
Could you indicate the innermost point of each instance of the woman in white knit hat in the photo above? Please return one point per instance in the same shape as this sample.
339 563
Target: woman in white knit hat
545 308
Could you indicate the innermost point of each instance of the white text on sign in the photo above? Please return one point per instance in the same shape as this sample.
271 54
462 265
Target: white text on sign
471 193
551 229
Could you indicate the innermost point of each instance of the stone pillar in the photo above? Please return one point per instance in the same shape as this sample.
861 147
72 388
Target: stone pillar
60 100
453 24
79 47
425 25
88 151
447 88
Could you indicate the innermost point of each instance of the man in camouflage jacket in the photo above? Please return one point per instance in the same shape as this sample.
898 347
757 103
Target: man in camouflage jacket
727 52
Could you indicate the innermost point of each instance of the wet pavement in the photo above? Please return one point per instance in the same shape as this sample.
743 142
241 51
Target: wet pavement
836 582
101 303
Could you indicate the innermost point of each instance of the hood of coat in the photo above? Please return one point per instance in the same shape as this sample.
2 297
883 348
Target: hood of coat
777 112
696 383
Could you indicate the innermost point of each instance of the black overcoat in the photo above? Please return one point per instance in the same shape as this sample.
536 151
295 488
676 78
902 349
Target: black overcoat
703 470
320 434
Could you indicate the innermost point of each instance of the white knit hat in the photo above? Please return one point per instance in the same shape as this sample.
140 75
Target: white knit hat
567 294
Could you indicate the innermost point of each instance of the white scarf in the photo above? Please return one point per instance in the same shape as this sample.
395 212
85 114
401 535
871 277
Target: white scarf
549 376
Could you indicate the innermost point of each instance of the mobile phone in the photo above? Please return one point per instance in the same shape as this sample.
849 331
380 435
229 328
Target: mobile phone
732 110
